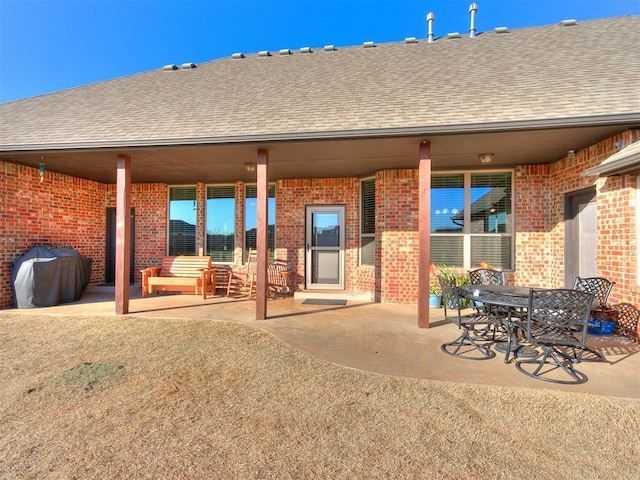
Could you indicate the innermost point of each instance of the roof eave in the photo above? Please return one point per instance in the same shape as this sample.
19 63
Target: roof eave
466 128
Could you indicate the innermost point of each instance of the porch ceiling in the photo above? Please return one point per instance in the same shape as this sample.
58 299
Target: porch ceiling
224 162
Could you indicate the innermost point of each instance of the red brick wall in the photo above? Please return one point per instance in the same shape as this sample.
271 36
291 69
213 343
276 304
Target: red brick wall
60 211
67 211
532 222
292 196
397 234
150 201
616 217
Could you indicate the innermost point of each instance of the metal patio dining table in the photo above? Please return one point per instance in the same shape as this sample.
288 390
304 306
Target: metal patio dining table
509 304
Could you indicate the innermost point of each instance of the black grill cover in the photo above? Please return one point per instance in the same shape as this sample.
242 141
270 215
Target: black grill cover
46 276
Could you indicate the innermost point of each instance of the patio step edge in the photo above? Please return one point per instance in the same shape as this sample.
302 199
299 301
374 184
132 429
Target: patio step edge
337 295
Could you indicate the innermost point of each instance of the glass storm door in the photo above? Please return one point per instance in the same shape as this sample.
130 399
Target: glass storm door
325 247
581 236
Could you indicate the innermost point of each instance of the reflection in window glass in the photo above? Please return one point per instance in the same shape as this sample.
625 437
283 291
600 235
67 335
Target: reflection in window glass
325 229
471 219
220 223
251 219
490 203
182 220
447 203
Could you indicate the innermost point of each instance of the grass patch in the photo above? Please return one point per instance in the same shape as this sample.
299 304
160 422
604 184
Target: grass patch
86 376
207 399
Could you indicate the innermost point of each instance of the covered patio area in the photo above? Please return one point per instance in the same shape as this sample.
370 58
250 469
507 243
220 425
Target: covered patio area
374 337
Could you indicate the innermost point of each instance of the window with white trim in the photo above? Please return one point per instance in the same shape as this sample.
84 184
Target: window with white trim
368 222
182 221
220 223
472 219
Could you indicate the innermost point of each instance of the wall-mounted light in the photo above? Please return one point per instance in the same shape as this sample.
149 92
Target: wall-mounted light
41 171
485 158
571 154
250 167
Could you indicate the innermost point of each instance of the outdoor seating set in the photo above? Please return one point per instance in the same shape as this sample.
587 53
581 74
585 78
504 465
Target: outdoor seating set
543 329
195 274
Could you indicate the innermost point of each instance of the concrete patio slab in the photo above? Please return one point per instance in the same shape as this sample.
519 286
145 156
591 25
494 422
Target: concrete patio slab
380 338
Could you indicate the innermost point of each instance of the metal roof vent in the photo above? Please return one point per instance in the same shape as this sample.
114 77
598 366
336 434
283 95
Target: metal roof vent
186 66
568 23
501 30
285 51
430 18
369 44
453 35
237 55
473 8
168 68
411 40
306 50
329 48
264 53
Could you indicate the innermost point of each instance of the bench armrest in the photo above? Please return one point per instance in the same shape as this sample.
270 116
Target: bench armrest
146 273
151 271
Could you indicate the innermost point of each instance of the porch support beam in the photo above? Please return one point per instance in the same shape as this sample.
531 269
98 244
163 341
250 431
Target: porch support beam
424 226
261 233
123 233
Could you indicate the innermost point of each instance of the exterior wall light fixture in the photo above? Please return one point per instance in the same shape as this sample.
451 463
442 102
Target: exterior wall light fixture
250 167
486 158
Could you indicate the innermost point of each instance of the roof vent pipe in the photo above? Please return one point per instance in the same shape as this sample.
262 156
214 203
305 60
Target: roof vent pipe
430 18
473 8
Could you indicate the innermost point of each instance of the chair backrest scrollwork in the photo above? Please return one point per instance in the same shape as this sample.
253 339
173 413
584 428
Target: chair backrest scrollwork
486 276
601 288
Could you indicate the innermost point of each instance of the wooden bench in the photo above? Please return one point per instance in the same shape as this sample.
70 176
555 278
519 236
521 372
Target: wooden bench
181 273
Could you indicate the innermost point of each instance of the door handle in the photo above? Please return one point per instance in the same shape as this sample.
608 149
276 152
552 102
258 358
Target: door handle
308 248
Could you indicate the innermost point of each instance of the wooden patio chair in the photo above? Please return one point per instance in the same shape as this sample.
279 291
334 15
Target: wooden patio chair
242 281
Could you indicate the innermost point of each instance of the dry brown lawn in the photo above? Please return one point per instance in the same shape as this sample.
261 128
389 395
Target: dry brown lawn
122 397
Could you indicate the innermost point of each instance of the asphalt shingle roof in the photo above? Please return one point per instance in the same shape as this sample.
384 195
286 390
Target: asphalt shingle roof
542 73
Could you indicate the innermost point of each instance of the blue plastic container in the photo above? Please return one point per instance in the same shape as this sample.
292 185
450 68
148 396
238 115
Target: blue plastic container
601 327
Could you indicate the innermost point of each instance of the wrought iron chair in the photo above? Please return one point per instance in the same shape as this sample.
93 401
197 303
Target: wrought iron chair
557 319
469 344
486 276
627 317
489 276
601 288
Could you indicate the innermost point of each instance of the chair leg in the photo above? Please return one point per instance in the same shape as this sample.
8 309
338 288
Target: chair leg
466 340
586 354
553 360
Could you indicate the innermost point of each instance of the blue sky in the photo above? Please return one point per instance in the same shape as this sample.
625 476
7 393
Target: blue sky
51 45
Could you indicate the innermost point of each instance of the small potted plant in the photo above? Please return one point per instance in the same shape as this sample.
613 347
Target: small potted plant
435 295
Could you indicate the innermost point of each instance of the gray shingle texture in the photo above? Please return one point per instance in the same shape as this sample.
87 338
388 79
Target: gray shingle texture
549 72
